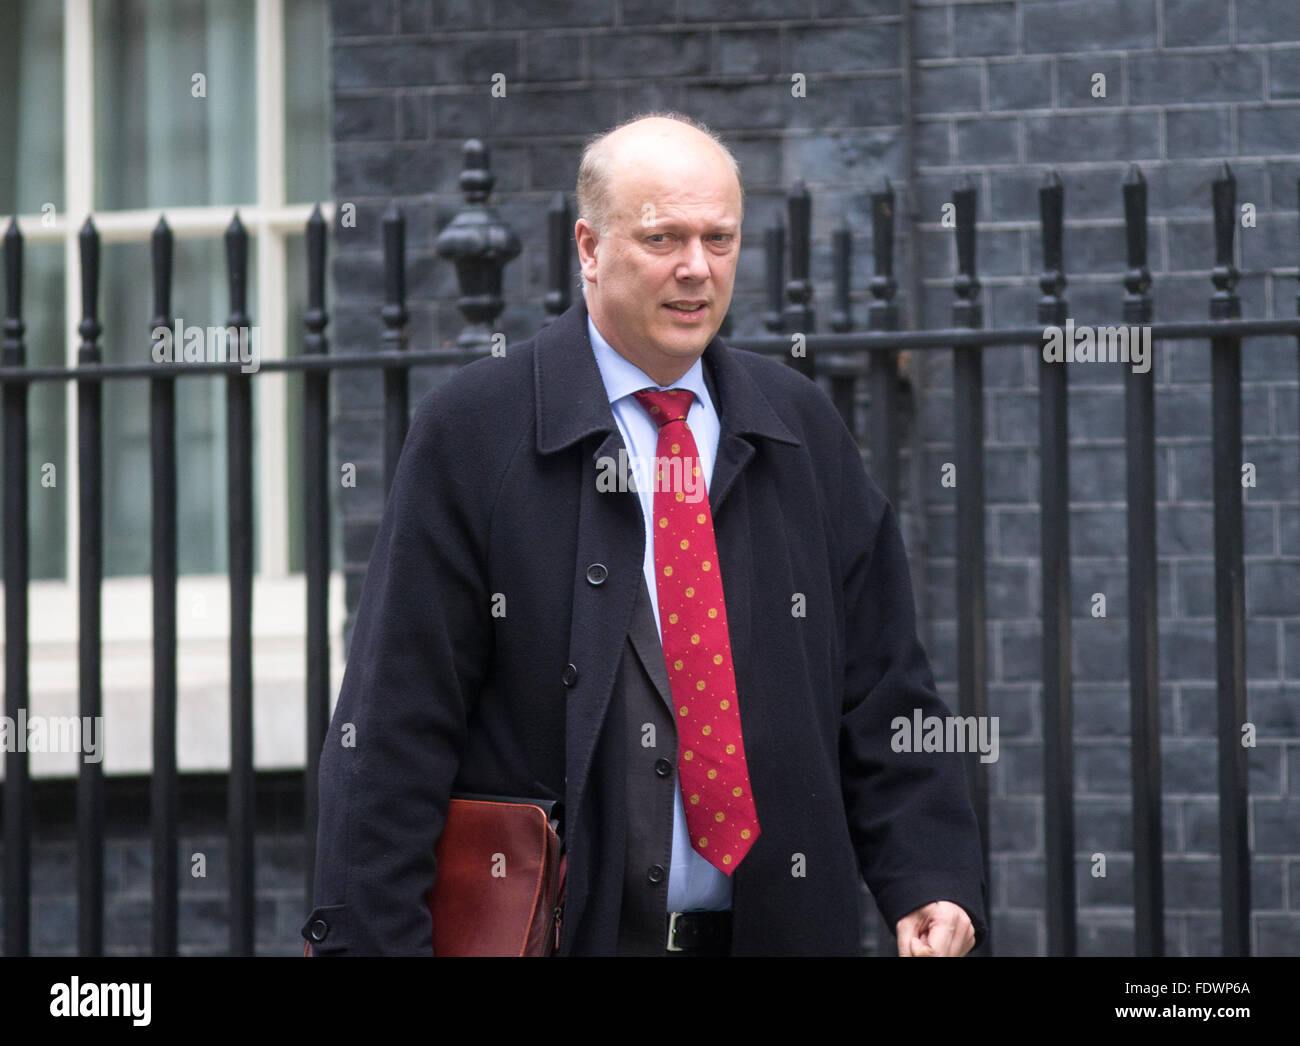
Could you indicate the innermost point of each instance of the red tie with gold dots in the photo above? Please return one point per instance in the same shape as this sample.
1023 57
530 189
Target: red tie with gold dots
711 765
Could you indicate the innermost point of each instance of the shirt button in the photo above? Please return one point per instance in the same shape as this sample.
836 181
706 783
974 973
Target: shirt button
656 873
318 930
570 675
663 767
597 573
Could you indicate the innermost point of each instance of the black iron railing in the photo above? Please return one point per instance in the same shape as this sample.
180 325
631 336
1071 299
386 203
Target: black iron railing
480 245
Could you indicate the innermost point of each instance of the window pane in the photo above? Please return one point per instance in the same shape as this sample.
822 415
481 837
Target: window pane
306 101
31 106
174 103
200 299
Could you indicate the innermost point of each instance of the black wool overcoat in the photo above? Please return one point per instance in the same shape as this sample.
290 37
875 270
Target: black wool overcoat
495 505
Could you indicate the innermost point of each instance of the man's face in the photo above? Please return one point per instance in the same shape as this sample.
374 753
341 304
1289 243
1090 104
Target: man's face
673 241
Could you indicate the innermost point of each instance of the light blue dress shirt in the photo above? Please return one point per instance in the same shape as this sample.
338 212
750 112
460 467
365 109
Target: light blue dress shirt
693 883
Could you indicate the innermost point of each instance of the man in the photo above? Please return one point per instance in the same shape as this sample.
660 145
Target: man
629 567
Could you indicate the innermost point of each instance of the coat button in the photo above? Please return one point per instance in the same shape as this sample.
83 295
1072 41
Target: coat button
663 767
570 675
656 873
319 930
596 573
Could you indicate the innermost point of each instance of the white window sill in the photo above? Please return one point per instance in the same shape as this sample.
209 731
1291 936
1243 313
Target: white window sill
202 671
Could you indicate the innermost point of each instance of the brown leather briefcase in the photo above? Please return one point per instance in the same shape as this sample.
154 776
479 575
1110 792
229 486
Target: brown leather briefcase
499 887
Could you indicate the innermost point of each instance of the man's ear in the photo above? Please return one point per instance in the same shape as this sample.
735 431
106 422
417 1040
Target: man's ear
585 237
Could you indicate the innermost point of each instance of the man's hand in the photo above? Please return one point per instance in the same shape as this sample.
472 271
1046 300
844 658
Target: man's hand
938 928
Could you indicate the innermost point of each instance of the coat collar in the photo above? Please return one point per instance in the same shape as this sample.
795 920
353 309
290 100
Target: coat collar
572 403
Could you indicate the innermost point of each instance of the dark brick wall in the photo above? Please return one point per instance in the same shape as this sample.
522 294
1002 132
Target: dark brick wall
204 901
1002 93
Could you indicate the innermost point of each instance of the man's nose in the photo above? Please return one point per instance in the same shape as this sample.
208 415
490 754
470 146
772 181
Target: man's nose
693 264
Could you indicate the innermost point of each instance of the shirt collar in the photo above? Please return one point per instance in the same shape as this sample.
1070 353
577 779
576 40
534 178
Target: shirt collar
622 377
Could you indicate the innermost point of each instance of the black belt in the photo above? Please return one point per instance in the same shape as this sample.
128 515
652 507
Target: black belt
698 933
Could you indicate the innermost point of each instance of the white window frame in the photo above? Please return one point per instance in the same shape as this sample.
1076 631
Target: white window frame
279 598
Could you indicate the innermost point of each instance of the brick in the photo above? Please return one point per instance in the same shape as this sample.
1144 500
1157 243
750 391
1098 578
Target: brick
1019 769
854 8
1088 25
1195 23
1268 359
932 145
1198 133
1102 769
54 869
364 118
1275 711
870 47
1075 82
1089 579
1020 85
1267 22
931 32
669 54
988 141
362 172
1268 130
1103 824
128 924
1278 934
54 925
1114 889
744 106
361 17
558 56
1015 708
1191 884
1277 826
1266 763
1232 77
1023 884
644 12
1189 767
1020 653
1009 592
524 14
1101 711
944 89
984 29
1014 825
1018 934
746 51
845 159
402 63
1125 136
1187 652
1272 243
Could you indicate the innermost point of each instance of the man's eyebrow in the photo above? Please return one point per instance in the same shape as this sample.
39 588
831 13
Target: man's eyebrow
726 225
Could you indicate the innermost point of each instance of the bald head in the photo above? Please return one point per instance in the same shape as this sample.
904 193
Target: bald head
658 233
656 138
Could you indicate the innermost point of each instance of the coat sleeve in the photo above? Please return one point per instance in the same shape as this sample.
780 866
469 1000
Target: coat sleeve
910 814
419 653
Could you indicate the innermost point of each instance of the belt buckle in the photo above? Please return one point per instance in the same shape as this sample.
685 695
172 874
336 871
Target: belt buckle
673 946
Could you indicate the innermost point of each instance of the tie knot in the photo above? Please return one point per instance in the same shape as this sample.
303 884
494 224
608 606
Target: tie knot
667 406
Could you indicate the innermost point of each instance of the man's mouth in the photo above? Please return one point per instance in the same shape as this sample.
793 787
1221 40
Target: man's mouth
686 308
